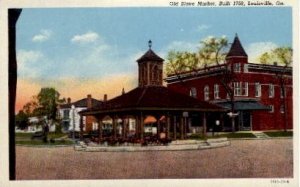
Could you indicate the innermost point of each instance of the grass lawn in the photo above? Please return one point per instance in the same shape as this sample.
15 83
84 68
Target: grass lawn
223 135
50 135
279 133
40 142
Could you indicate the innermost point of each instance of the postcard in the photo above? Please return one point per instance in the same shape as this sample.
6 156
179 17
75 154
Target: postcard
171 93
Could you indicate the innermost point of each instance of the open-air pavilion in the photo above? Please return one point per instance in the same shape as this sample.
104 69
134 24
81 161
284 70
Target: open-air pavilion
171 109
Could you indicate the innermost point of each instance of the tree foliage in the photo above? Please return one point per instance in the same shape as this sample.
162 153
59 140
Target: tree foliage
281 55
210 53
43 104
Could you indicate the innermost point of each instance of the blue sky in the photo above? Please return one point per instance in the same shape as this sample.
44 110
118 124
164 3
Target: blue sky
55 46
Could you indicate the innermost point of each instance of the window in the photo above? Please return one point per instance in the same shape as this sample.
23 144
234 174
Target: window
193 92
237 87
66 114
271 108
281 109
245 89
271 90
237 67
245 68
216 91
206 93
257 89
281 92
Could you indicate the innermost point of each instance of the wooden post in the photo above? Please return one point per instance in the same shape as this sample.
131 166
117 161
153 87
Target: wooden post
114 120
158 127
204 124
100 124
137 124
81 128
181 128
168 125
174 130
142 126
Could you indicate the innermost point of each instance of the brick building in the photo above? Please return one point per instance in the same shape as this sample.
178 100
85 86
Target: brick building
262 94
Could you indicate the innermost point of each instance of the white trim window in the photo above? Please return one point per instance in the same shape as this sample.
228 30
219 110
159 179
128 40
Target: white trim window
237 67
257 89
281 92
271 90
193 92
237 87
282 109
206 93
245 89
216 91
272 108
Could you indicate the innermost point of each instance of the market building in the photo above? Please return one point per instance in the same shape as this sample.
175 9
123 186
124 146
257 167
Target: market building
262 94
172 111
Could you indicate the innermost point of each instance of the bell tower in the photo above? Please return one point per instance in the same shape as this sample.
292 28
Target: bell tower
150 68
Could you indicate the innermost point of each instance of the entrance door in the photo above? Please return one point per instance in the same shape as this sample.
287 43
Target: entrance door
245 120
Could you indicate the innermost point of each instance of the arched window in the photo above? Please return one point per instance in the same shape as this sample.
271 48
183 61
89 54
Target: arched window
193 92
206 93
155 74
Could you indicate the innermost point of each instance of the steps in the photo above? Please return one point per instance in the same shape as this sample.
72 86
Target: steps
261 135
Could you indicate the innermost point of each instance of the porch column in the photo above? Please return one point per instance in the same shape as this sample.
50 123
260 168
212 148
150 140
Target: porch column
142 126
81 128
204 124
137 124
168 125
174 128
123 127
100 124
114 121
181 128
158 127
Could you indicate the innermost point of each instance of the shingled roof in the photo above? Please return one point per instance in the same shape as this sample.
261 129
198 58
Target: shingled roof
153 97
150 56
236 49
82 103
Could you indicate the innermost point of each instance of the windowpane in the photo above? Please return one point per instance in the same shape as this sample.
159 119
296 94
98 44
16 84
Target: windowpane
206 93
257 89
216 91
271 90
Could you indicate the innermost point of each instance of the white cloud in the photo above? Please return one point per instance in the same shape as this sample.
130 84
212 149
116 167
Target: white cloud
88 37
28 60
202 27
254 50
44 35
182 46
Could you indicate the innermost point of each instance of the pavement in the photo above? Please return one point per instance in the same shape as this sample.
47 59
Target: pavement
258 158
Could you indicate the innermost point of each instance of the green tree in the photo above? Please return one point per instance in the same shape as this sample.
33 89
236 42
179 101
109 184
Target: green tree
22 120
211 52
281 55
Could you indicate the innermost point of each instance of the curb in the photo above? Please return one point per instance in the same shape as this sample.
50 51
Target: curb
181 147
44 146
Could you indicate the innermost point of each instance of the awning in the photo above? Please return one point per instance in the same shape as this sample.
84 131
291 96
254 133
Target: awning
245 105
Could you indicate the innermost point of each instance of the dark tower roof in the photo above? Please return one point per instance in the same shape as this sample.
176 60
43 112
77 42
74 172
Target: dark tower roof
236 49
150 55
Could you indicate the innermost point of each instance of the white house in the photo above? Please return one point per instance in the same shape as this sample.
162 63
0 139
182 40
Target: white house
69 113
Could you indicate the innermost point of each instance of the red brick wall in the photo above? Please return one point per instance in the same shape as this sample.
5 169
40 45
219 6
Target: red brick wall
261 120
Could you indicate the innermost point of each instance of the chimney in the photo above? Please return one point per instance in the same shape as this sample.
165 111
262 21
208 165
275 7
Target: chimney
123 91
89 101
105 98
69 100
275 63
